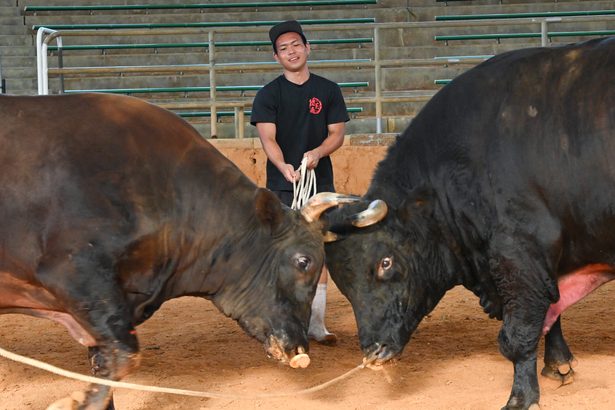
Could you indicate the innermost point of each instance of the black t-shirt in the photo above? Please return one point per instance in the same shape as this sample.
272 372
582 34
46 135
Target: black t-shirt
301 114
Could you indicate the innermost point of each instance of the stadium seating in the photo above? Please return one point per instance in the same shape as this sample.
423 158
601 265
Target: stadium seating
423 36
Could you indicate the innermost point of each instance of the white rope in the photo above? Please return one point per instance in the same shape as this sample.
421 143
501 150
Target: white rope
133 386
306 186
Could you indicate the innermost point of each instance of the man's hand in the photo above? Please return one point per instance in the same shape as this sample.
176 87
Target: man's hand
289 173
312 158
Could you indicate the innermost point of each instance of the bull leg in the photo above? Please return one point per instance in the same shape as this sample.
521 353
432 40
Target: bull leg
99 369
524 252
518 341
558 358
94 299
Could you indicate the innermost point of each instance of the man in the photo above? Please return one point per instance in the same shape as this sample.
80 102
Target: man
297 115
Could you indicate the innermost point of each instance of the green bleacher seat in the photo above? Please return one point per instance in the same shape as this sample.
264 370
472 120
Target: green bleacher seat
499 36
544 14
248 43
203 24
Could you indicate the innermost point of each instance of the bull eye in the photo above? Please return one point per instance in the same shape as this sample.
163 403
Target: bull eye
386 263
303 263
385 268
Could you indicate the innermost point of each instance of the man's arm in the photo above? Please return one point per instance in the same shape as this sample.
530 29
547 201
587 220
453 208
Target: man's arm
334 140
266 133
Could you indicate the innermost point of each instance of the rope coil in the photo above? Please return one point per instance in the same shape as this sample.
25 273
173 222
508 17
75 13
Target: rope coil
306 187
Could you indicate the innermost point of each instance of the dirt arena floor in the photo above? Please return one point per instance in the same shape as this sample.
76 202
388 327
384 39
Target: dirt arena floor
452 362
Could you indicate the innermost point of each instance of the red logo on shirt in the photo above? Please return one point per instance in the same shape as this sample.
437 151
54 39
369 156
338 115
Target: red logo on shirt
315 105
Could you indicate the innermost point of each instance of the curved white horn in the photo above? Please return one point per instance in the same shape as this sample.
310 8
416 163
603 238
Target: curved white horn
375 212
322 201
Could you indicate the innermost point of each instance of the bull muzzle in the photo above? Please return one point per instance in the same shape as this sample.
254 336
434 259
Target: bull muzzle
378 354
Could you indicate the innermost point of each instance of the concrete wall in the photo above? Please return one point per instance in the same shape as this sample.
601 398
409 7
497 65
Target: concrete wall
353 163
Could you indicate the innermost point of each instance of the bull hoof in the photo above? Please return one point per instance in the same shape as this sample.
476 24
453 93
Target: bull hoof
563 373
74 402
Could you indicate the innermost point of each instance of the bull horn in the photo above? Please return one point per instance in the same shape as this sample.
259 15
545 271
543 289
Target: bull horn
375 212
322 201
330 237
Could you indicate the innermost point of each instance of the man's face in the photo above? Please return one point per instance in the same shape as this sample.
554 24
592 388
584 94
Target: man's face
291 53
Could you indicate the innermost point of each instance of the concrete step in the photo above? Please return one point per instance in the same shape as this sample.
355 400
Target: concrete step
419 37
16 72
191 56
289 7
9 10
13 29
393 79
11 19
18 62
176 81
214 16
8 51
16 40
21 86
196 35
428 12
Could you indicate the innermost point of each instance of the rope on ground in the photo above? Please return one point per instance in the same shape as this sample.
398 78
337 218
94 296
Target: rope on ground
133 386
306 187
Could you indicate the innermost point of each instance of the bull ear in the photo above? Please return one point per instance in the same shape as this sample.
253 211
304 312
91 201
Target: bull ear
268 208
419 202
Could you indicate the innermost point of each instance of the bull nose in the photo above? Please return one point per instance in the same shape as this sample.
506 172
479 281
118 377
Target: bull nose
379 353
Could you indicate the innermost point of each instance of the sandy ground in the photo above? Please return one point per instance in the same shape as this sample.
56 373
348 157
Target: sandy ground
452 362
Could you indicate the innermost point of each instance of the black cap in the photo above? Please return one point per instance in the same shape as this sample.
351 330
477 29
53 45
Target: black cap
290 26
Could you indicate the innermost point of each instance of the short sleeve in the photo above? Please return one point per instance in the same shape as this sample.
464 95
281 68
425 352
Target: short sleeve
264 107
337 112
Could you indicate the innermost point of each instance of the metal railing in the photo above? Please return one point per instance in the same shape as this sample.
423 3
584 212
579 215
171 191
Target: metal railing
45 36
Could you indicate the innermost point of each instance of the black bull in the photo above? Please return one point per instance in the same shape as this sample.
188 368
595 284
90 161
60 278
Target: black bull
111 206
504 183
